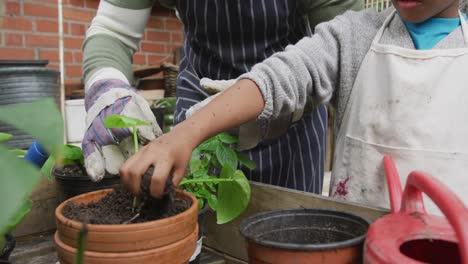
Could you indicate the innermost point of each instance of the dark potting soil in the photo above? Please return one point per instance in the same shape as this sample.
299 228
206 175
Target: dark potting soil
71 171
117 206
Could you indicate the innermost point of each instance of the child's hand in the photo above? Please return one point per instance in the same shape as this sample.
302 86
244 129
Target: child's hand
168 154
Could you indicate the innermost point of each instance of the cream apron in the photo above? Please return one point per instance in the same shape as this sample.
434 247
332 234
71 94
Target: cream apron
412 105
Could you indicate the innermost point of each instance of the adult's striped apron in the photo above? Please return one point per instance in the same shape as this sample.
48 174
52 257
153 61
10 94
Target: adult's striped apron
225 38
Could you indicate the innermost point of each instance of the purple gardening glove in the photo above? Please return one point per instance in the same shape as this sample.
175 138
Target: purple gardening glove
106 149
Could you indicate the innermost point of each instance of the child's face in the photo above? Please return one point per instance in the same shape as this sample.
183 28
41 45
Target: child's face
416 11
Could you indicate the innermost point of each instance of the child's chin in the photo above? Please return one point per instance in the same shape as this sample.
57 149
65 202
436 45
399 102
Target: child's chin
412 18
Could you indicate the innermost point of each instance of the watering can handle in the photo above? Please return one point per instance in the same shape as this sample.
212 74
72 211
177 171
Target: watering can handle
393 182
452 207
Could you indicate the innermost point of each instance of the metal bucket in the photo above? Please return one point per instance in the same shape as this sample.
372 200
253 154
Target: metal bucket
304 236
20 83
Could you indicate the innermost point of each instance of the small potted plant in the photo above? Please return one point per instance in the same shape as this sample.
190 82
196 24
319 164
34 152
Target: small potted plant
122 228
42 120
71 176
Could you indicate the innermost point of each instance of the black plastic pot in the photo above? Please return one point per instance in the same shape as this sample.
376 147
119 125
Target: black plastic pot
23 81
305 236
70 185
201 230
6 251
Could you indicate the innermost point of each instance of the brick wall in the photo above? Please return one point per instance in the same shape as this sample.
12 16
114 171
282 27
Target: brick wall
30 31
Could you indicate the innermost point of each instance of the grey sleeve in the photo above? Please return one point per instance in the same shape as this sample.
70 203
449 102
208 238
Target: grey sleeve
321 66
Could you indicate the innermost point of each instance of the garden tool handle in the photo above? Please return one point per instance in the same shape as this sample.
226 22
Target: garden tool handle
393 182
452 207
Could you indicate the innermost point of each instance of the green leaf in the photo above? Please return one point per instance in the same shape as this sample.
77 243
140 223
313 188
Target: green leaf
228 139
226 155
19 152
201 203
5 136
19 215
210 144
233 197
212 201
41 119
244 160
48 167
18 179
226 172
73 154
121 121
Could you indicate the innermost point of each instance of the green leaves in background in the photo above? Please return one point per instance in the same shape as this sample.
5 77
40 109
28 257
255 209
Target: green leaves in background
228 194
5 136
226 155
120 121
40 119
43 121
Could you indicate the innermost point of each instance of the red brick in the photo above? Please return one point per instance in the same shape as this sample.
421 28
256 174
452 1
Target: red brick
40 10
157 59
92 4
152 47
73 42
68 57
76 14
77 57
13 8
73 71
47 25
161 11
156 23
78 29
173 24
157 36
50 1
51 55
139 59
177 37
55 66
77 3
16 23
13 39
42 40
18 54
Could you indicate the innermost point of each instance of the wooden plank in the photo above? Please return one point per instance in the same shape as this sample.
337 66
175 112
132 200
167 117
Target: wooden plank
226 238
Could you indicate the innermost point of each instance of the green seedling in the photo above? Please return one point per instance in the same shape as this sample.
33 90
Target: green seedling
17 152
121 121
214 177
71 155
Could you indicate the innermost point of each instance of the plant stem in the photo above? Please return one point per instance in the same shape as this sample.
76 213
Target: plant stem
136 201
205 181
135 138
81 244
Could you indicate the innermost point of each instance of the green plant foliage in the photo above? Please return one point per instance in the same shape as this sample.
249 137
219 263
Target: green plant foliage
72 155
121 121
233 196
40 119
19 152
5 136
228 194
18 177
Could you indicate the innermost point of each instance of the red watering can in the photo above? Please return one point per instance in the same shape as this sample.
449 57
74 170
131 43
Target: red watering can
409 234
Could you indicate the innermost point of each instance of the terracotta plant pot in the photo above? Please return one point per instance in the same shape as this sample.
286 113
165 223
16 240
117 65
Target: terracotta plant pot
304 236
168 240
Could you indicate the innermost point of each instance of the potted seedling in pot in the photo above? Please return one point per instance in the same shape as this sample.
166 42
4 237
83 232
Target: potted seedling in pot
125 229
71 176
214 179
